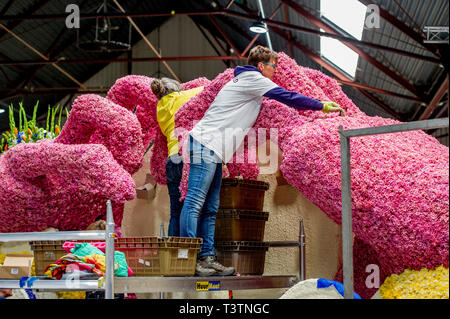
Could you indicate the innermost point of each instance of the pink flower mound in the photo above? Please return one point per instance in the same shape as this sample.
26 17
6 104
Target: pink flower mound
333 91
158 158
399 181
244 163
196 83
399 188
49 184
96 120
134 91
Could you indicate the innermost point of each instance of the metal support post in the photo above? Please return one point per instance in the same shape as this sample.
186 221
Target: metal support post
347 239
109 251
302 251
162 235
261 9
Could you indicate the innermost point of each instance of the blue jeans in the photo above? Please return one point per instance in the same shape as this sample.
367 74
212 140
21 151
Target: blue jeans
198 216
174 171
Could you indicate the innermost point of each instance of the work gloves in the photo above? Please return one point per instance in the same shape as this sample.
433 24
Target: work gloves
332 107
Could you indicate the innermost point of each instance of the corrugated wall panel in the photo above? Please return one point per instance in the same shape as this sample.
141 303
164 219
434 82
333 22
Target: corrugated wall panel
177 37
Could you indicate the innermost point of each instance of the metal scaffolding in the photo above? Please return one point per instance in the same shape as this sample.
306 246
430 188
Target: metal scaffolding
107 284
110 284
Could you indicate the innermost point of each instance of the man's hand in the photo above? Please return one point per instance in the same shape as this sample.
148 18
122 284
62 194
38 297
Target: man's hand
332 107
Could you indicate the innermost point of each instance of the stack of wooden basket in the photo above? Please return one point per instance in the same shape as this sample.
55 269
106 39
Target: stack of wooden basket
240 224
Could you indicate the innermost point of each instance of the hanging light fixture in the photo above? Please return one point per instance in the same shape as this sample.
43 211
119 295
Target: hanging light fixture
258 27
103 41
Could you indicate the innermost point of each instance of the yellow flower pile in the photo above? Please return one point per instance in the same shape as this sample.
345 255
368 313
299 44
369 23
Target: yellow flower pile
413 284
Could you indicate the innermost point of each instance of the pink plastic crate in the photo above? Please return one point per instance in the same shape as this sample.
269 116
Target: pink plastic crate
68 245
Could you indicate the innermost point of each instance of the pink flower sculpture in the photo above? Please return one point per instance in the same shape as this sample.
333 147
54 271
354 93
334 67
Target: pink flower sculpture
117 129
134 92
50 184
65 183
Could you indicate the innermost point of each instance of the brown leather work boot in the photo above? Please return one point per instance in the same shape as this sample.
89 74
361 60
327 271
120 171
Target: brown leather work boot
202 271
210 262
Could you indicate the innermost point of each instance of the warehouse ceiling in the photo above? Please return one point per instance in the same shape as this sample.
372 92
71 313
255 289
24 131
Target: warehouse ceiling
399 74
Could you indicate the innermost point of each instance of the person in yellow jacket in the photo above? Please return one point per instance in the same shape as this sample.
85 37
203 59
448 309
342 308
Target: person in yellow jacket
171 97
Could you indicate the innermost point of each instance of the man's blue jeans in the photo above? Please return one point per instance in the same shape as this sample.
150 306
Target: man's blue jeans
198 216
174 171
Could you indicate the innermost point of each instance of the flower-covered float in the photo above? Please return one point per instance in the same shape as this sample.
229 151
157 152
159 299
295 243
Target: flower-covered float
399 181
64 182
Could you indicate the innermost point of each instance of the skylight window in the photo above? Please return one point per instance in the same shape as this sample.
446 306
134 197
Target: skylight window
349 16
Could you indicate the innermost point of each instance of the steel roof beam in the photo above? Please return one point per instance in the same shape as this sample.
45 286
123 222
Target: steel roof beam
6 7
120 60
223 34
58 90
7 61
258 34
229 4
251 17
400 25
325 26
436 99
289 33
226 62
30 74
147 41
29 11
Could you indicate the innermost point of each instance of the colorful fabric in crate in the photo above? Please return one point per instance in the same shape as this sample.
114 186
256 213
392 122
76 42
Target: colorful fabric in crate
70 262
84 249
86 257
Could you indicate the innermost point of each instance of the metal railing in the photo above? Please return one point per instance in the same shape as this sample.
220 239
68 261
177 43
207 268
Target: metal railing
301 246
142 284
34 282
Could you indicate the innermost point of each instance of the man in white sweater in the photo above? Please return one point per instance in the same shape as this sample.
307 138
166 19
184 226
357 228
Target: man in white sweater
216 137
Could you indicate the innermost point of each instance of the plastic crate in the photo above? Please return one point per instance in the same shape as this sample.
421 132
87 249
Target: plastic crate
142 254
146 256
240 225
178 255
46 253
238 193
247 257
